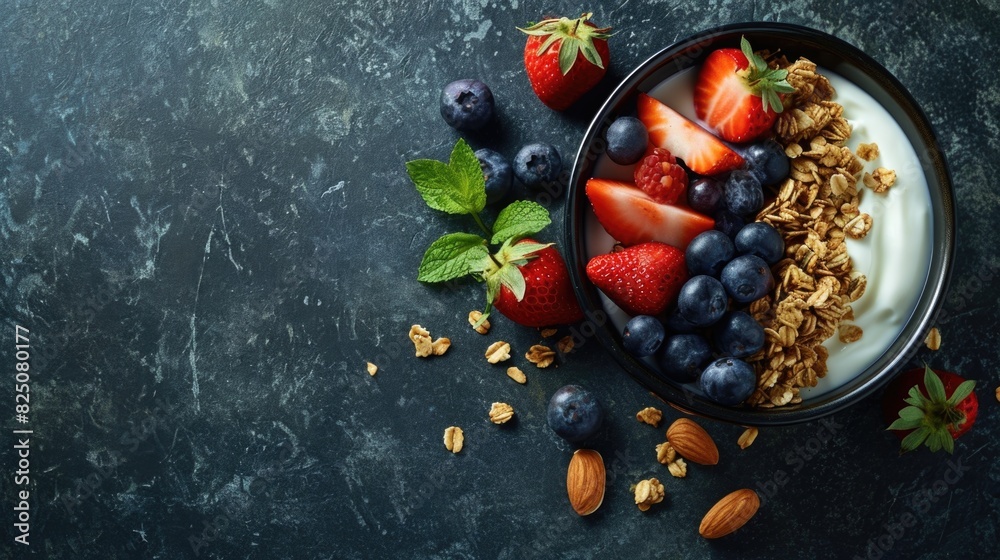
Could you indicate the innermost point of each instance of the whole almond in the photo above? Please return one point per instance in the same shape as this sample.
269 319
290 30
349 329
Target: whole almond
585 481
693 442
729 514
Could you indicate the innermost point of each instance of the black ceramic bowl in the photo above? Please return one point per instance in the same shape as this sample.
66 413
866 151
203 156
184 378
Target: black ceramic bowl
855 66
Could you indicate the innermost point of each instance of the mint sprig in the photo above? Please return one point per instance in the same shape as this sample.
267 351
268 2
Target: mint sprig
451 256
456 187
459 187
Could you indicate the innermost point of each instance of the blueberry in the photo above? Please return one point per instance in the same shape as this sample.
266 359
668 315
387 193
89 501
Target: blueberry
574 413
705 195
744 195
627 140
498 173
677 324
702 300
747 278
738 335
767 161
466 105
728 381
536 165
708 252
643 335
683 356
761 239
728 223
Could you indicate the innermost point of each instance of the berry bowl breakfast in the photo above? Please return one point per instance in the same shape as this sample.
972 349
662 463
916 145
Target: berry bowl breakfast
760 224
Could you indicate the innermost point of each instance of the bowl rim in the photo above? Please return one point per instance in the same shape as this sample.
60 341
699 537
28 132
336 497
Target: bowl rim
686 53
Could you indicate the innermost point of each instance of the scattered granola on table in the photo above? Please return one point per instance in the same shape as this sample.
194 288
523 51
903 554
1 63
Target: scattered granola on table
498 352
933 340
650 415
665 453
677 468
474 318
500 413
747 438
516 374
815 210
565 344
454 439
421 338
647 493
540 355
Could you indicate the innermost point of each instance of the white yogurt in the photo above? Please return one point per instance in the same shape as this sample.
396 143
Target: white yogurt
895 254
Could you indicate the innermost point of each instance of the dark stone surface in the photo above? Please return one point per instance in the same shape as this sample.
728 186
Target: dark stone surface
206 225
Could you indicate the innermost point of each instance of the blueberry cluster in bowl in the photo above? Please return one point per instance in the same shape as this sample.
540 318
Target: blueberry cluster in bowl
707 335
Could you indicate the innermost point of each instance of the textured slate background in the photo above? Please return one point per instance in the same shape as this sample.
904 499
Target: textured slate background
206 224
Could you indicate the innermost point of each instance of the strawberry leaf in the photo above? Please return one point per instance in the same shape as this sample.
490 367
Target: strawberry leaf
520 253
901 424
961 392
935 389
511 277
947 442
911 413
915 439
519 219
452 256
457 187
567 54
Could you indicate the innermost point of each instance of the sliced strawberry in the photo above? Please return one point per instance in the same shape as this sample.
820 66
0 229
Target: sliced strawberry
702 152
632 217
738 95
643 279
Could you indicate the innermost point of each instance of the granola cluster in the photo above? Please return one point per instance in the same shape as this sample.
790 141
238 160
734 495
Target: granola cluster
815 211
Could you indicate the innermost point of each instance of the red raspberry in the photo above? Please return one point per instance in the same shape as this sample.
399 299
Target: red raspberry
659 176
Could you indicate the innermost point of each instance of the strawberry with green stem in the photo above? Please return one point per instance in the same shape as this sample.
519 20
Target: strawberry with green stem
565 58
526 280
928 407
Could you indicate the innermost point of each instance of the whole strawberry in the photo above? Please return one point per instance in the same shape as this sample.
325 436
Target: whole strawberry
565 58
547 298
642 279
930 407
738 95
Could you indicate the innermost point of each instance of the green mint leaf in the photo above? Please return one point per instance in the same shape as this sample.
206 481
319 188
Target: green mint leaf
452 256
471 181
519 219
435 181
457 187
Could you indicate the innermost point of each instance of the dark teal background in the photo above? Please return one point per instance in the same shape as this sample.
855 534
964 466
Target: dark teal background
206 224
